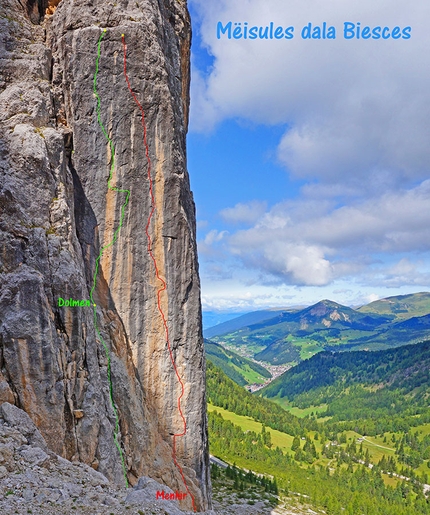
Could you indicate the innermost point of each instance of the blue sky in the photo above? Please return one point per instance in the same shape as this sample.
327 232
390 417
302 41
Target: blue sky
309 159
236 163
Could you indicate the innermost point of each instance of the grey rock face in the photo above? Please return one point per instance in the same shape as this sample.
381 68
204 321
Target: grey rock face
20 420
56 213
146 490
34 481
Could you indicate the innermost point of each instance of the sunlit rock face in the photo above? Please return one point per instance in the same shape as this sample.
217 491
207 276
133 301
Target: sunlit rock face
57 213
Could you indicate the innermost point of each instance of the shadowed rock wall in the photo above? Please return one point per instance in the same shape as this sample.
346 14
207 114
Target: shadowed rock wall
56 212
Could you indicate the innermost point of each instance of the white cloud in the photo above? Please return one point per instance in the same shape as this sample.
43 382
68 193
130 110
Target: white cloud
244 213
211 246
205 113
300 264
245 300
356 116
372 297
352 106
403 272
214 236
304 246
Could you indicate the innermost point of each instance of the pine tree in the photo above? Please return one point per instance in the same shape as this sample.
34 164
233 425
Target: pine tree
367 458
296 444
236 483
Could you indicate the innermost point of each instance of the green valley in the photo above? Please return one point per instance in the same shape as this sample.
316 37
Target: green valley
371 384
349 432
241 370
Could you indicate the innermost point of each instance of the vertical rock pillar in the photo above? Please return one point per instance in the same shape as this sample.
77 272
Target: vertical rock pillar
57 213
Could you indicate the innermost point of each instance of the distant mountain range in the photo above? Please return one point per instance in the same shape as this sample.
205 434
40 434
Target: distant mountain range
215 318
240 321
291 336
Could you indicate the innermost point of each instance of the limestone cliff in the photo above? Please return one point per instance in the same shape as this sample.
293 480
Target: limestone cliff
57 214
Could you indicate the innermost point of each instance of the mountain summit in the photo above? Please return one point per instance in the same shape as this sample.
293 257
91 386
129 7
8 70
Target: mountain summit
291 336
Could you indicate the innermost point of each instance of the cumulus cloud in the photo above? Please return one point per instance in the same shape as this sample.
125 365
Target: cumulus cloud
299 264
305 246
214 236
244 213
356 134
351 106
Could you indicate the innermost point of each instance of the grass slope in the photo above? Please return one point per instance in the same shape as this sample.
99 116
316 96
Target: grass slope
346 455
400 306
241 370
278 438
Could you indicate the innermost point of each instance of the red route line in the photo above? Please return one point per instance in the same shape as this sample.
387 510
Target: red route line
157 273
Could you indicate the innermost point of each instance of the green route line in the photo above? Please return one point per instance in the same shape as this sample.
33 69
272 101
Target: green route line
114 239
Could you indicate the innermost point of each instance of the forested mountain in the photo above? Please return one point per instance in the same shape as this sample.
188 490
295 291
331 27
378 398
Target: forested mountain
324 461
241 370
411 330
291 337
406 367
323 323
359 384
